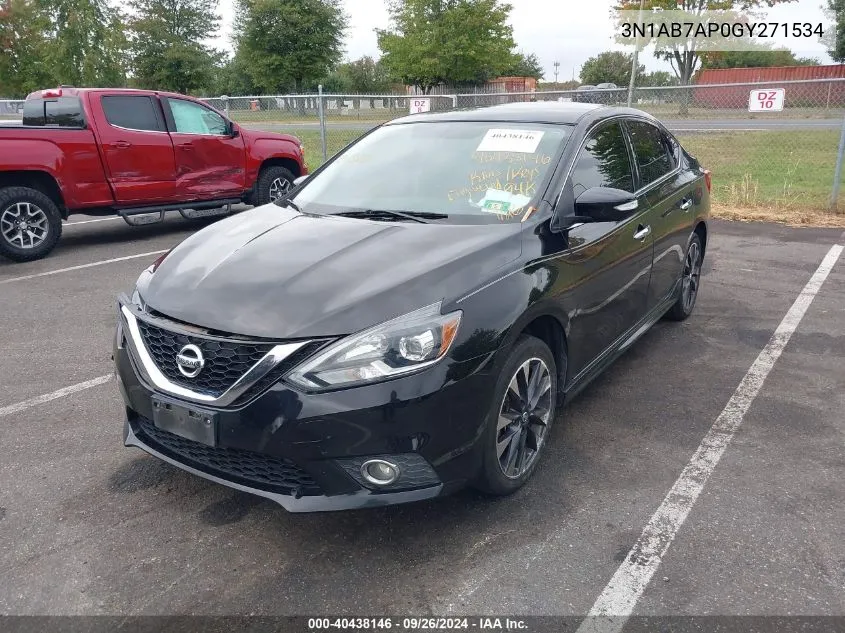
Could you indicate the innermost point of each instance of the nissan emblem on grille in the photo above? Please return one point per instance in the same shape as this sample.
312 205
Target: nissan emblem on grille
190 361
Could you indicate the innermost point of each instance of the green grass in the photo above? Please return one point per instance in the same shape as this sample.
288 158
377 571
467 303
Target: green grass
773 169
336 140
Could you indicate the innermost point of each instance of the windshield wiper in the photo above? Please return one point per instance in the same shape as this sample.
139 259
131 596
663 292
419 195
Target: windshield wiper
286 202
414 216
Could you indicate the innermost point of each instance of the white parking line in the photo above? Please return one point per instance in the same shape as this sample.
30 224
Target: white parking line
620 596
61 393
81 266
67 224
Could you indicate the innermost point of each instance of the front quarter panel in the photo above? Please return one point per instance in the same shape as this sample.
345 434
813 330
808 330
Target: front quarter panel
260 148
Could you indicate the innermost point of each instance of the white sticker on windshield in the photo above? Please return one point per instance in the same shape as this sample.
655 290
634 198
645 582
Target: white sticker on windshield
502 202
521 141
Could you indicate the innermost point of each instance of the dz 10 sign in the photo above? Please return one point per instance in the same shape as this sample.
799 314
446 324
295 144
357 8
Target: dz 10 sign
419 106
770 100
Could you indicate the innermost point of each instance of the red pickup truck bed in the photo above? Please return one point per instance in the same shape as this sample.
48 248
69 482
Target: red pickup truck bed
128 152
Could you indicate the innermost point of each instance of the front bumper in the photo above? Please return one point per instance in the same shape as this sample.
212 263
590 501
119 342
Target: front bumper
362 498
304 451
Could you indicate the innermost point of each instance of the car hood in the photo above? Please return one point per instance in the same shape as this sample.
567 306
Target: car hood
252 135
272 272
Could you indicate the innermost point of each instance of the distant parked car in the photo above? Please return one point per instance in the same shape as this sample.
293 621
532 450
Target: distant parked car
582 94
129 153
603 93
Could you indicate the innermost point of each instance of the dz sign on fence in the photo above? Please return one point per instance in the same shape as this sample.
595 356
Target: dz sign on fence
420 105
770 100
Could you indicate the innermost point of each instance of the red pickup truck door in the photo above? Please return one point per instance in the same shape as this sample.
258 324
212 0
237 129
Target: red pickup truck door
210 161
136 147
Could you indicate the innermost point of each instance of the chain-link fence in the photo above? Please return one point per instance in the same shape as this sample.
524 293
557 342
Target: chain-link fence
780 160
785 160
11 109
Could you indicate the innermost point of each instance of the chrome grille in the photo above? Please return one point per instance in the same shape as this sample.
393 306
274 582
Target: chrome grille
225 361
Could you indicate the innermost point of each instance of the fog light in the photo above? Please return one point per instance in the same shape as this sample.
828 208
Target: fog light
379 472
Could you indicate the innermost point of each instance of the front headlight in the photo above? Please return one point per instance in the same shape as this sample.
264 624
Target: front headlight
400 346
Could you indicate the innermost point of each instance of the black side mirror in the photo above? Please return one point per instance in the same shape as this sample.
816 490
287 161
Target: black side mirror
604 204
233 129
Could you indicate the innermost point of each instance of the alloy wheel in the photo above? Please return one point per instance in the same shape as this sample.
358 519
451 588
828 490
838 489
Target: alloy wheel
24 225
692 274
278 188
524 418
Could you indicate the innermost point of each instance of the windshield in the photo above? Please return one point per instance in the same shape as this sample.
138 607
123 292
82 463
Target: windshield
473 170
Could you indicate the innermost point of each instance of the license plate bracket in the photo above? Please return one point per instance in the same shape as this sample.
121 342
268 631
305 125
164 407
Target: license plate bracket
192 423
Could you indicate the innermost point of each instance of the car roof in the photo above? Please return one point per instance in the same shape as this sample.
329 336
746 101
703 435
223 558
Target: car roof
566 113
71 91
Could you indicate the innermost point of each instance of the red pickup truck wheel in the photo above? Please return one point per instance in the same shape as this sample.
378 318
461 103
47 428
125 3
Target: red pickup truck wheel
30 224
273 183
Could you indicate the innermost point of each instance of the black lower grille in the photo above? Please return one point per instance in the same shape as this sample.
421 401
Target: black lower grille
264 472
225 361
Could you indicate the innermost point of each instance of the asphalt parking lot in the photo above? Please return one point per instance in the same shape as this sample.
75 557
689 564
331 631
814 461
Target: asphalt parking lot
90 527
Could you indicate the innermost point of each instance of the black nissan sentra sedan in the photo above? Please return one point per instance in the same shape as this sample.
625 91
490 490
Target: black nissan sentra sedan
408 320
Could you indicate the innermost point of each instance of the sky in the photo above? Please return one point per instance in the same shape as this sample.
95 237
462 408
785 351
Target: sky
567 31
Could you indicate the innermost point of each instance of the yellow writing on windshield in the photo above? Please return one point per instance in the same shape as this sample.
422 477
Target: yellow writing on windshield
516 179
511 157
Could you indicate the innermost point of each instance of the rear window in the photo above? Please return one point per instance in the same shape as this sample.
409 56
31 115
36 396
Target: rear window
133 112
56 112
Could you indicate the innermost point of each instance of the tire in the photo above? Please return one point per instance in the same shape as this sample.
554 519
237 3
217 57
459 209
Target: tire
41 217
500 475
267 178
690 282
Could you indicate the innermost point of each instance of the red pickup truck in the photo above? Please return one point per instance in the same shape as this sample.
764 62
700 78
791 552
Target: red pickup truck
130 153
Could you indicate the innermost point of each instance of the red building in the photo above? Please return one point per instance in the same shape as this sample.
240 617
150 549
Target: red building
813 92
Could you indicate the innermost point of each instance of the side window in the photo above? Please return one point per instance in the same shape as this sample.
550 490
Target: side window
136 112
192 118
652 150
604 162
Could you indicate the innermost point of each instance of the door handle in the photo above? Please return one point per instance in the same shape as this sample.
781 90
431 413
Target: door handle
642 232
686 205
188 147
122 144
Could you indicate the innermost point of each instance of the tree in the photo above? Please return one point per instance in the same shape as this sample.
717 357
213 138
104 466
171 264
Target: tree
525 66
569 84
835 39
89 45
232 79
609 67
754 59
447 41
685 60
167 43
24 63
364 76
288 44
656 79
